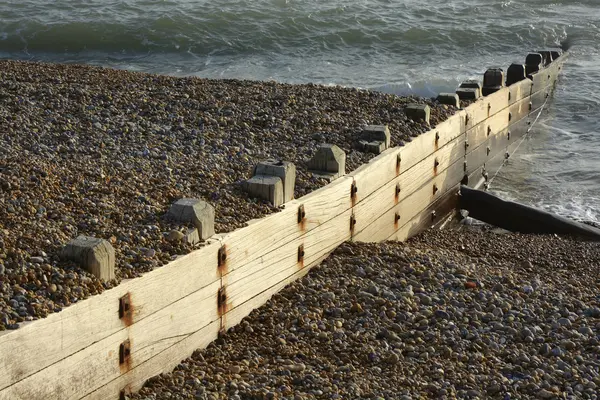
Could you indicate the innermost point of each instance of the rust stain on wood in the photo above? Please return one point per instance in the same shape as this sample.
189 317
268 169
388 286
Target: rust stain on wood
301 256
126 309
125 356
222 262
396 220
223 306
302 218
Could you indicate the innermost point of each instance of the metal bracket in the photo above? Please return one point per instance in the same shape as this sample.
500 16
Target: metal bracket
353 190
301 253
222 256
508 135
435 189
352 222
222 300
301 213
466 145
396 218
489 132
125 310
465 165
488 150
433 215
437 138
509 116
124 351
397 189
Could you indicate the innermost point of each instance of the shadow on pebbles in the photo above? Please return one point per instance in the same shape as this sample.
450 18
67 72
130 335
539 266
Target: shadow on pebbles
100 152
447 315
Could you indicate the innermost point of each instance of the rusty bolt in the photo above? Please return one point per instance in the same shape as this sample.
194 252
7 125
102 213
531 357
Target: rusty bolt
300 253
222 256
353 190
397 189
125 306
396 217
301 213
489 130
352 222
435 189
488 150
221 298
124 351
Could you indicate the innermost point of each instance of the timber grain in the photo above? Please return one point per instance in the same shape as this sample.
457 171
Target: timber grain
79 352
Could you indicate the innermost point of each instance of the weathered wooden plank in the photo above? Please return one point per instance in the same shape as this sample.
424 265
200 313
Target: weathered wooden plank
498 122
492 104
496 145
236 315
546 78
385 225
257 276
272 232
372 209
511 142
429 216
382 169
509 95
94 319
133 380
98 364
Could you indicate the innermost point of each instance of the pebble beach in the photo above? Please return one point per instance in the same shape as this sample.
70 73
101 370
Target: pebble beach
470 315
100 152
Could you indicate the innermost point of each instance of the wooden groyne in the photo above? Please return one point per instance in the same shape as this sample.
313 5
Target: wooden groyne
109 345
